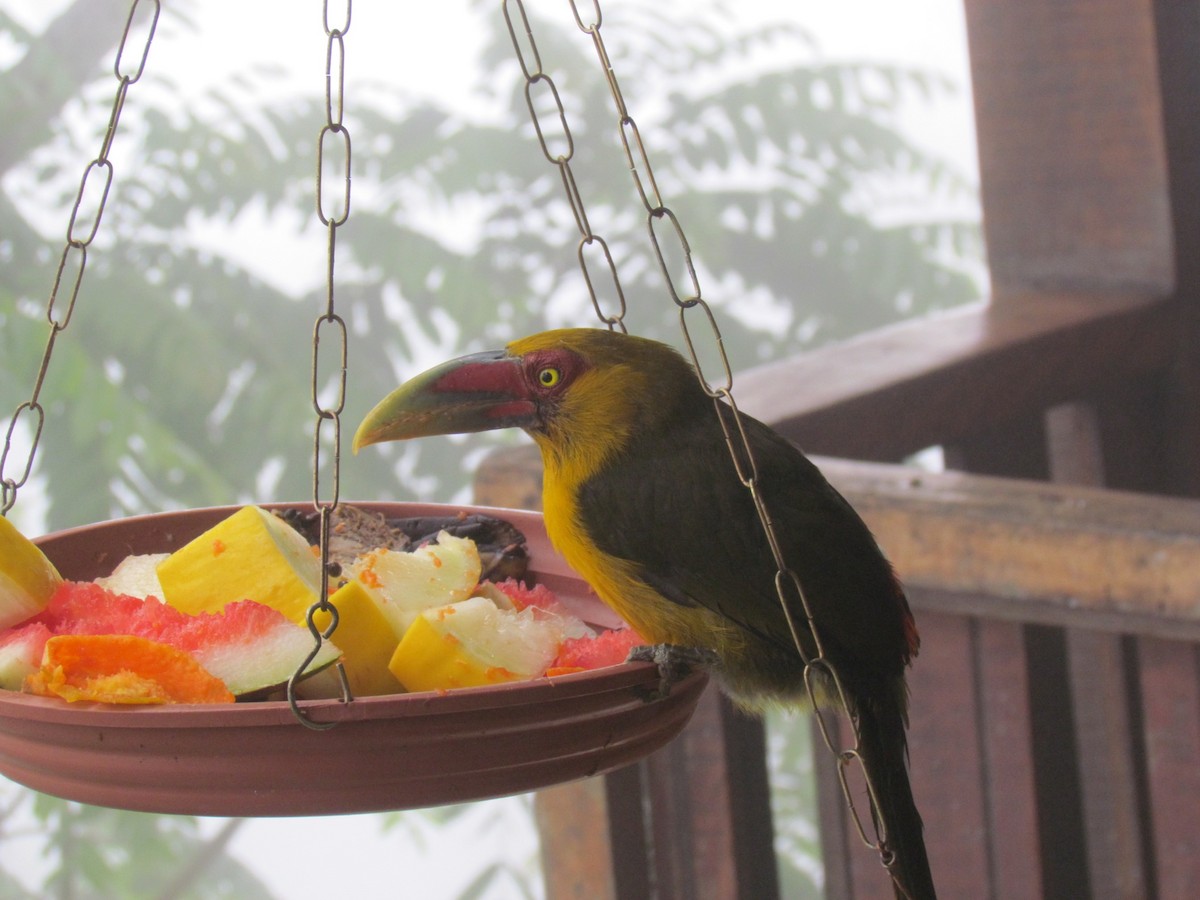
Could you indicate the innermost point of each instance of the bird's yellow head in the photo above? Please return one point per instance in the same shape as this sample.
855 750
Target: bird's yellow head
580 392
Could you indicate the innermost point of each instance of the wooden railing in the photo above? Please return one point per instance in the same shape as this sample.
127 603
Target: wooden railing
1056 708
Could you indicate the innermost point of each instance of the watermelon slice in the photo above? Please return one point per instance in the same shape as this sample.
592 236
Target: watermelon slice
524 596
608 648
249 646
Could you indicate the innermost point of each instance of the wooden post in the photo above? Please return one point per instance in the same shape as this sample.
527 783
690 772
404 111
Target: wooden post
1072 157
1170 694
1103 710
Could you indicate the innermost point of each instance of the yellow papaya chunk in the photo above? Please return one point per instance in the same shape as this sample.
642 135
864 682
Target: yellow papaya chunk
366 638
27 577
474 643
251 555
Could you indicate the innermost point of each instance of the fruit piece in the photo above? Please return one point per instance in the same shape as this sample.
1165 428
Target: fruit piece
83 607
523 595
430 576
499 599
544 603
21 653
252 647
122 668
251 555
136 576
366 637
27 577
608 648
473 643
249 646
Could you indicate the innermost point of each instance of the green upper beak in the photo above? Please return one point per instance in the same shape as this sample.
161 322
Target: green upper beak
480 392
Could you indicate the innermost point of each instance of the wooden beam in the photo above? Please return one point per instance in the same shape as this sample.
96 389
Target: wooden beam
1170 689
1072 161
1006 737
1178 33
577 859
709 808
1033 552
1103 710
930 381
690 822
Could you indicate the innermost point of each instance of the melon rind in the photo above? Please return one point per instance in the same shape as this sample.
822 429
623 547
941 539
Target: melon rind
252 647
21 654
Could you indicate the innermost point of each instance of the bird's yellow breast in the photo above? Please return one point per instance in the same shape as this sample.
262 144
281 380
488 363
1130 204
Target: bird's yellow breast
657 619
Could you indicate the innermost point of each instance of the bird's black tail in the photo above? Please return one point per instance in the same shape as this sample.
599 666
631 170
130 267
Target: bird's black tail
883 747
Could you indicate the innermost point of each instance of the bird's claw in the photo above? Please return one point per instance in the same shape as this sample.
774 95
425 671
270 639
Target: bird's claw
674 663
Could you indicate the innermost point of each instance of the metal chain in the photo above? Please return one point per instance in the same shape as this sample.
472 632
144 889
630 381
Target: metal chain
820 675
537 81
332 212
82 227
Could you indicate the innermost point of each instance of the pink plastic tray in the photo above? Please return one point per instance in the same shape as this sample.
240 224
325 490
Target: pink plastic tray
384 753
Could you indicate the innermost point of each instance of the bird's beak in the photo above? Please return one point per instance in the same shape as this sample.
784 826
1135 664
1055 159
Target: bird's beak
480 392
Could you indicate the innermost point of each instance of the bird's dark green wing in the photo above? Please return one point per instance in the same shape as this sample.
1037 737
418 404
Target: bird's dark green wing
672 504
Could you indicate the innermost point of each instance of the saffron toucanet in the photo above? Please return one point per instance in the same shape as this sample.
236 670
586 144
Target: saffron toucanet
642 498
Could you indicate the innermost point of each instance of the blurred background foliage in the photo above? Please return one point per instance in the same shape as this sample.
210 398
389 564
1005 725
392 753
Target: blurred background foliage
184 376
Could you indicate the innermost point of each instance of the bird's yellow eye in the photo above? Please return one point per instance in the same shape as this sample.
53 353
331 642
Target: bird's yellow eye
549 376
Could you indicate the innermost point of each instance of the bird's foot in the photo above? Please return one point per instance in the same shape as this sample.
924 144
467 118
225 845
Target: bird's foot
675 663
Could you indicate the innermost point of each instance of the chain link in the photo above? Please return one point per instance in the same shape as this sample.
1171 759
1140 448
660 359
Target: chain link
538 83
821 679
82 226
332 212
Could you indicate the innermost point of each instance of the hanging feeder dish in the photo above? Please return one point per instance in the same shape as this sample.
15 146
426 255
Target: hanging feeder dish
359 754
389 752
